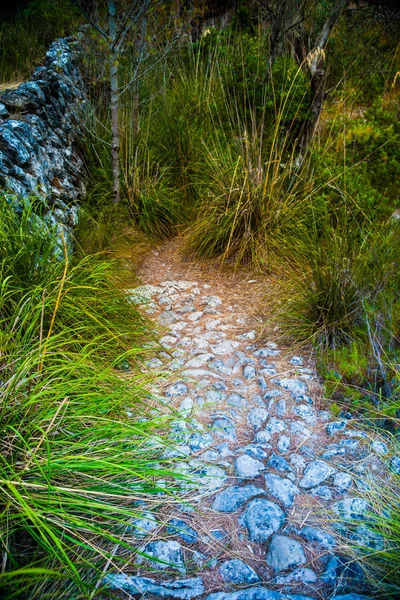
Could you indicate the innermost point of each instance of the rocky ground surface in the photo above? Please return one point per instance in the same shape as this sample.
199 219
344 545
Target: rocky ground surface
279 479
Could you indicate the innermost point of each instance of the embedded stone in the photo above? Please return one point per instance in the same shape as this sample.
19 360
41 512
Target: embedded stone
316 472
229 500
275 426
335 427
262 519
200 441
351 509
294 386
283 443
321 491
247 467
144 524
342 481
249 372
183 530
236 571
273 394
312 534
255 451
165 555
281 488
183 589
284 553
279 463
298 576
177 389
224 428
237 400
257 417
225 347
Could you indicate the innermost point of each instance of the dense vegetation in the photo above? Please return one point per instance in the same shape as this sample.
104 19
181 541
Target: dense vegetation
211 150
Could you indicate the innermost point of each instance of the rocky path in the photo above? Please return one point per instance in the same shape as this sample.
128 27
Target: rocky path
279 478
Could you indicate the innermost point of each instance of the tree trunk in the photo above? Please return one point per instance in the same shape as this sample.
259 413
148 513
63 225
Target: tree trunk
115 140
316 66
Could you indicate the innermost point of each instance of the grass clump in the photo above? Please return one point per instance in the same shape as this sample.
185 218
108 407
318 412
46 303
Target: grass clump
81 438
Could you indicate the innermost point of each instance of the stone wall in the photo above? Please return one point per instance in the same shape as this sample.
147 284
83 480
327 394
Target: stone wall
40 124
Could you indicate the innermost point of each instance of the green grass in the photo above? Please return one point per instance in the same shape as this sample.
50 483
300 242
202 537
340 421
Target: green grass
81 438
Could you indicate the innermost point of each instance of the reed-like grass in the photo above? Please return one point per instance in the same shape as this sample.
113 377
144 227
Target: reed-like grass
81 438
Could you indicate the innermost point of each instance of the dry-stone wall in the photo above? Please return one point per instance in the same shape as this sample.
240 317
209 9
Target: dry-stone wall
40 123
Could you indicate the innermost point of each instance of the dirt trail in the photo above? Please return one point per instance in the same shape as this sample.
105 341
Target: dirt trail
273 468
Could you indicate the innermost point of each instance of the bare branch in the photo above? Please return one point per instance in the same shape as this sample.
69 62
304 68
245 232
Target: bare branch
89 18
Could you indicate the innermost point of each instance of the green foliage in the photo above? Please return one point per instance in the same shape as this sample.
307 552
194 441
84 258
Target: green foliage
24 40
73 463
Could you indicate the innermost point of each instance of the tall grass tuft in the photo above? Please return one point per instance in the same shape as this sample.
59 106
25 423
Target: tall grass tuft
81 438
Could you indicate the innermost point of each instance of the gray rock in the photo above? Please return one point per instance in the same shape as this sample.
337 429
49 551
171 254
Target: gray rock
275 426
165 555
367 539
237 400
279 463
306 412
144 524
220 386
312 534
255 451
321 491
200 441
177 389
395 465
262 383
283 443
183 530
249 372
257 417
298 428
265 352
224 348
262 437
273 394
281 488
284 553
247 467
307 400
233 497
335 427
280 408
296 361
212 477
342 573
183 589
220 366
379 447
351 509
236 571
297 462
343 481
214 397
256 399
224 428
316 472
294 386
262 519
298 576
